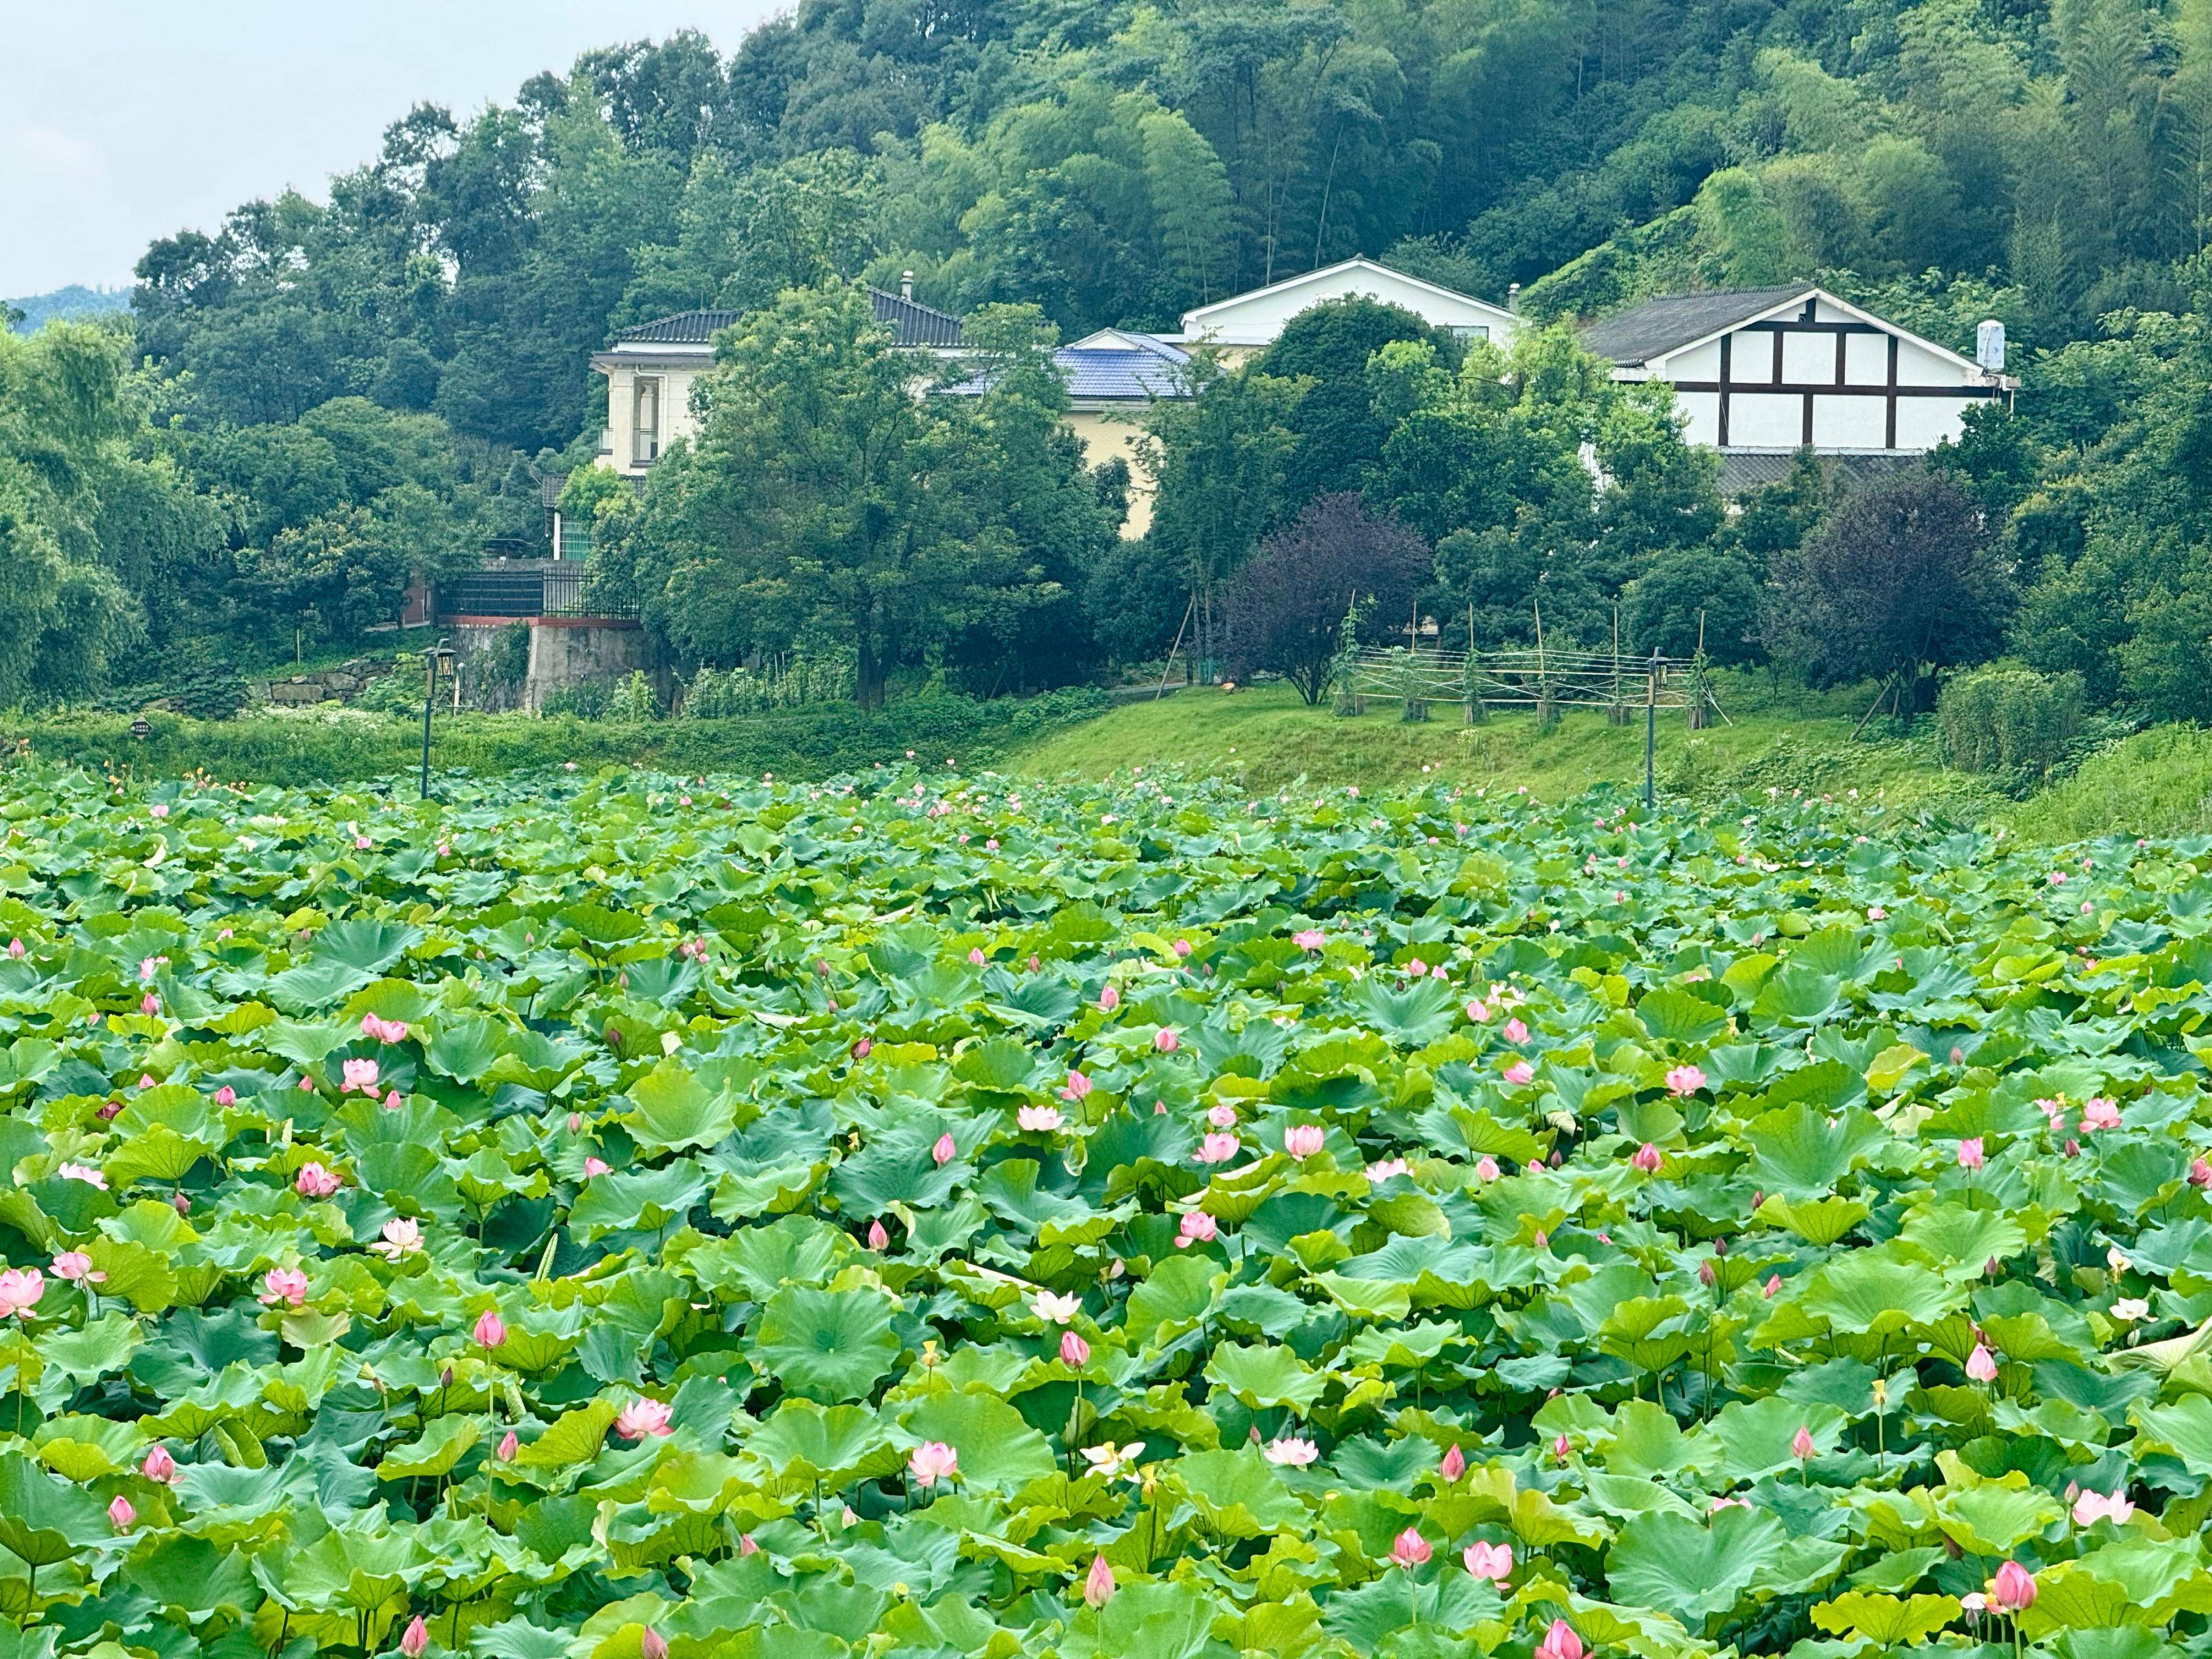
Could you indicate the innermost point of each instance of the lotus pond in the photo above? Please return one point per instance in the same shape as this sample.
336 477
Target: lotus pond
922 1215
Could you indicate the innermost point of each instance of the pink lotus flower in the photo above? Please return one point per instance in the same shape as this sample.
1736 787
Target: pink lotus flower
1417 968
1970 1152
15 950
2097 1113
1520 1072
1647 1158
313 1180
83 1172
944 1151
226 1095
159 809
1685 1080
1041 1119
1223 1116
121 1514
879 1237
1560 1449
595 1165
1290 1451
746 1546
643 1417
932 1461
414 1640
2012 1590
1109 999
1166 1040
286 1284
977 957
1386 1168
1559 1642
1514 1031
1491 1561
1074 1352
358 1074
1198 1228
1454 1464
1302 1140
402 1236
1486 1168
2200 1172
1801 1444
1182 947
1218 1149
1309 939
159 1468
1077 1087
1479 1012
1773 1283
491 1330
1410 1550
1982 1364
383 1030
1098 1583
1875 913
75 1266
2093 1507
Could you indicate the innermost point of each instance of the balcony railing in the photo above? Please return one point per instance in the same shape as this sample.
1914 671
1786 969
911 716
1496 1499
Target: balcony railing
539 588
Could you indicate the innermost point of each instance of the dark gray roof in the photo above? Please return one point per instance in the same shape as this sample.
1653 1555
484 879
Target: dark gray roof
1658 326
1746 470
911 323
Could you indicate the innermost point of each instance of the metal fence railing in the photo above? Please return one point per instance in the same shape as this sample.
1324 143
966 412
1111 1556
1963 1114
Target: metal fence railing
545 590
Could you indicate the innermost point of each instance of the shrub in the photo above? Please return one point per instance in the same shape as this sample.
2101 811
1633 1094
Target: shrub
634 699
2009 719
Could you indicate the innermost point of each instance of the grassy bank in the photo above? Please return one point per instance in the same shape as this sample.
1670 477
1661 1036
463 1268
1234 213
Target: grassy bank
1784 739
322 747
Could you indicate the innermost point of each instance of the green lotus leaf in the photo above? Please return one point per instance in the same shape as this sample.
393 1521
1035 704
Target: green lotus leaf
829 1346
1689 1570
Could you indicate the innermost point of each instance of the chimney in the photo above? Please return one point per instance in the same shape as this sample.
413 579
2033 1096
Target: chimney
906 285
1513 298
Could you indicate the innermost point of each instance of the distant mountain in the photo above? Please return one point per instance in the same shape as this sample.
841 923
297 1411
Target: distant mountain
74 300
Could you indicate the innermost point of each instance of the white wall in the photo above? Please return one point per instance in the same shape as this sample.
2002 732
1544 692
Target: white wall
677 420
1254 319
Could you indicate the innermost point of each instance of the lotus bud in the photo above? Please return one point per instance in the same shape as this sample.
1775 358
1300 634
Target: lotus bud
1720 1247
490 1329
415 1641
575 1123
110 1112
746 1546
1454 1464
1073 1350
2200 1173
226 1095
184 1206
1560 1449
1982 1364
1560 1642
1109 999
2012 1590
1410 1550
944 1150
1773 1285
159 1467
1166 1040
508 1446
1098 1583
446 1377
1705 1274
878 1237
653 1645
1647 1158
1801 1444
863 1048
121 1513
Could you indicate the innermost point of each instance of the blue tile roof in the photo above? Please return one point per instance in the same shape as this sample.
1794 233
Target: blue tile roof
1133 373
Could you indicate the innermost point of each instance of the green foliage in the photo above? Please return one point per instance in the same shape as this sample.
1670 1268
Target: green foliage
2011 720
1616 1155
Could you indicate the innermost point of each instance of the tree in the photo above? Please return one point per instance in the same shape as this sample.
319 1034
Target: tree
1696 596
1901 581
1287 607
825 499
1340 434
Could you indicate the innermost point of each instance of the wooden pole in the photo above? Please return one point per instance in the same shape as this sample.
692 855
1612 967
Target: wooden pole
1168 667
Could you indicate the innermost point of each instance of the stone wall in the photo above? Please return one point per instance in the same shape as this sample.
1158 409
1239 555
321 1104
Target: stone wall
340 685
566 651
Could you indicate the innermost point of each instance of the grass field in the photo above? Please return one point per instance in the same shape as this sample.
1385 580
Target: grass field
1787 739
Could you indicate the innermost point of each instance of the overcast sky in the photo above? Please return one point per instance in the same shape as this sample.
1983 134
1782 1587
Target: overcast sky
125 121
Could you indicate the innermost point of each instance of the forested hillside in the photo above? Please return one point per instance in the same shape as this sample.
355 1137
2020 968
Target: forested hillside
2049 164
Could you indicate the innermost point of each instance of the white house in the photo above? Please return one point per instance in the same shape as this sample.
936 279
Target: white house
1764 373
1241 327
651 368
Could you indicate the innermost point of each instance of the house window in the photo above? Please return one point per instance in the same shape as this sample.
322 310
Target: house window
644 420
1468 333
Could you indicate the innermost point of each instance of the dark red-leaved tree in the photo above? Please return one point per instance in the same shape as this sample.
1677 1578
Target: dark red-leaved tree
1286 610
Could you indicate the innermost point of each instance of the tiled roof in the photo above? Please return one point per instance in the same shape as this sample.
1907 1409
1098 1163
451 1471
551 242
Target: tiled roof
1145 367
1746 470
1658 326
911 323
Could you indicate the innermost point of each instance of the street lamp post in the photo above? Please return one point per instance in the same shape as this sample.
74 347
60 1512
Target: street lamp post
430 660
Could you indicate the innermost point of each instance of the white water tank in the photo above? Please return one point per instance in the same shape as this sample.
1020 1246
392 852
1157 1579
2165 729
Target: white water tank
1989 346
